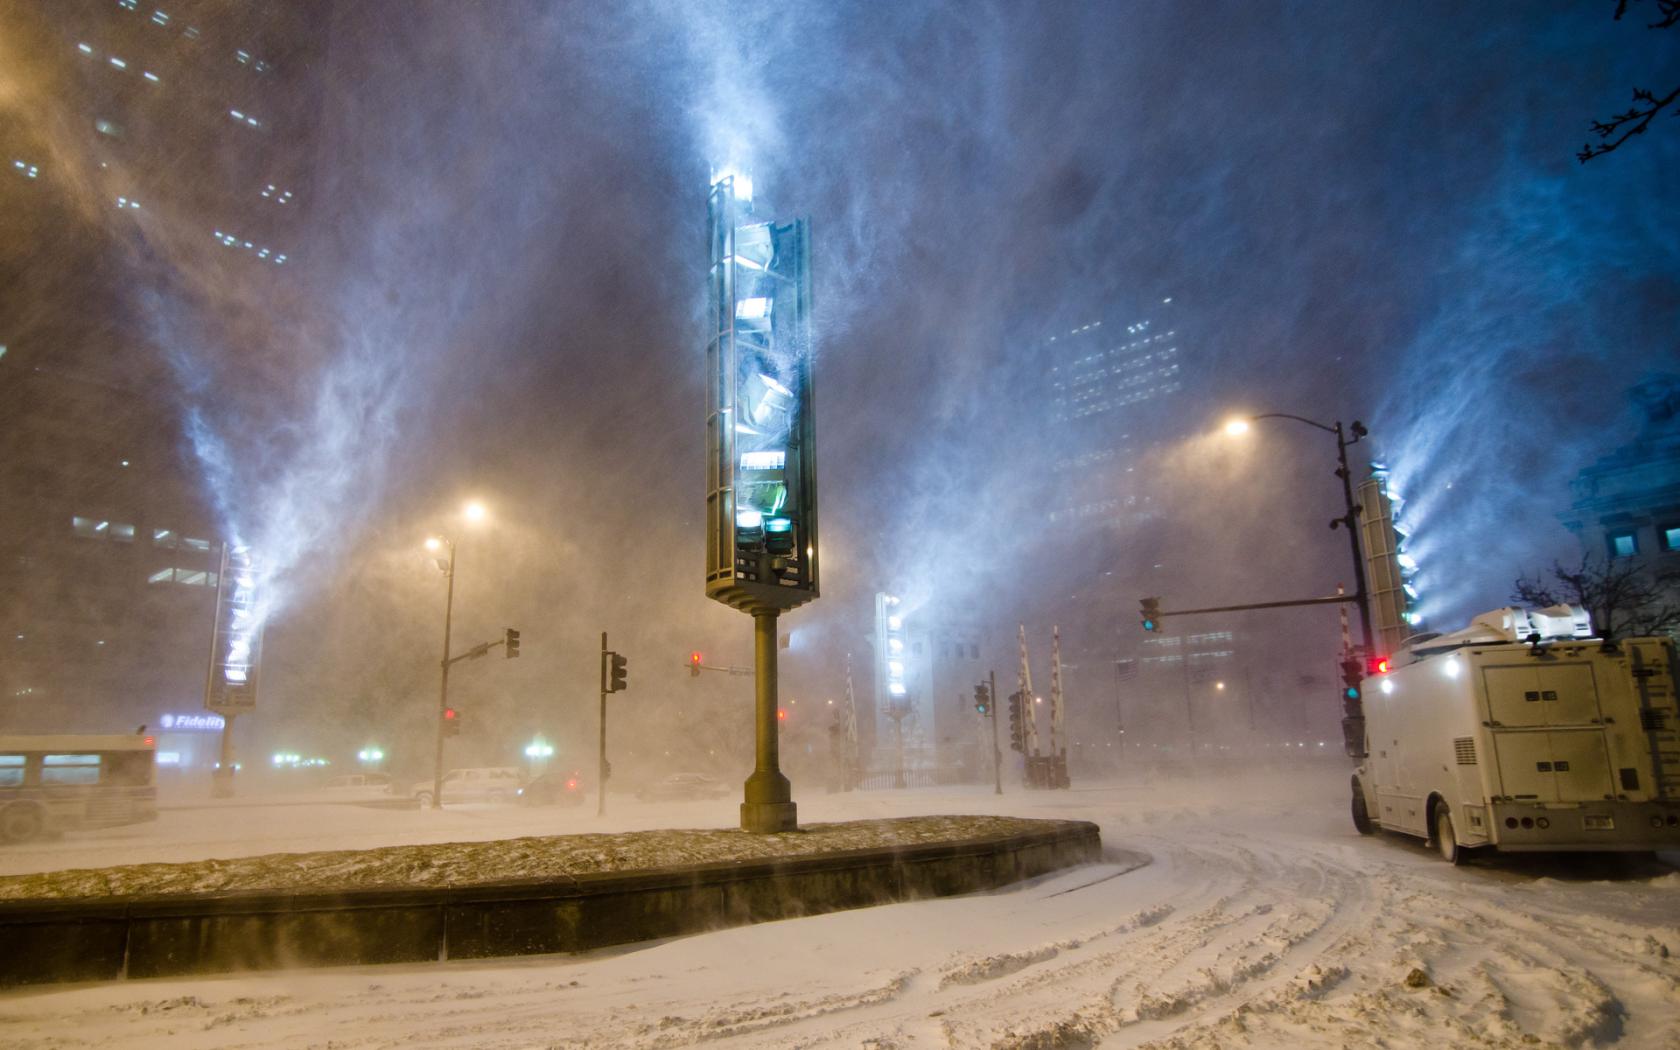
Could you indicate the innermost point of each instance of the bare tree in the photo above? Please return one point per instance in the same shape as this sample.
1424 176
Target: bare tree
1624 599
1646 105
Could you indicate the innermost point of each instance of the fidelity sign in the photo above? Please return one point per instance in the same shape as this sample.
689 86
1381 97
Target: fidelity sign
191 723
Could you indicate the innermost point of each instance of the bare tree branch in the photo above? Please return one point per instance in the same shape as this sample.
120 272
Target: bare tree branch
1646 104
1624 600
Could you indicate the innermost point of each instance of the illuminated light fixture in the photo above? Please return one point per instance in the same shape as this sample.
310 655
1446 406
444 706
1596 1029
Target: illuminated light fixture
1236 427
119 63
753 307
160 18
1414 618
896 688
742 183
236 115
894 623
1387 686
749 519
153 77
772 460
1406 561
773 398
84 49
895 645
1411 591
896 668
1451 667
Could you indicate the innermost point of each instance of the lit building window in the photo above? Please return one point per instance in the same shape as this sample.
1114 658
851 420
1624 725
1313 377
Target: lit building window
165 538
1670 535
195 545
160 18
1624 544
128 5
122 532
89 528
28 171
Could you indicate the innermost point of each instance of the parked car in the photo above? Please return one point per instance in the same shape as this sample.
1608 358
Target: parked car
551 789
357 785
680 786
487 784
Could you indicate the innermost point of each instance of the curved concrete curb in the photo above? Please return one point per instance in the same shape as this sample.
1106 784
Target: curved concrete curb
83 940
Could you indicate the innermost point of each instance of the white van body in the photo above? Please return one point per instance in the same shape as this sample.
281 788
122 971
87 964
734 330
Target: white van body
1525 733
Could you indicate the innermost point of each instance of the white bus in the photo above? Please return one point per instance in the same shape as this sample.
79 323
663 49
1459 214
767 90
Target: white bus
50 784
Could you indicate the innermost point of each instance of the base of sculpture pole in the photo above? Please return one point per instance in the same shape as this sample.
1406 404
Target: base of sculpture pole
769 817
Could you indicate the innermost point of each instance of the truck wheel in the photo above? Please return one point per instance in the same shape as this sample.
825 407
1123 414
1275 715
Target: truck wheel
1445 840
20 823
1361 818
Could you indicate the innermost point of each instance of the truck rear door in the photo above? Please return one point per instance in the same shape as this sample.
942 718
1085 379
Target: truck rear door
1548 730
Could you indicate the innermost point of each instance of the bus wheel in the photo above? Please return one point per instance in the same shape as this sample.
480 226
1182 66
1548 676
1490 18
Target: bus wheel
20 823
1361 818
1445 840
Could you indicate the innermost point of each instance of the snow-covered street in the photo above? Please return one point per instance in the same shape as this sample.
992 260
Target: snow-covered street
1261 919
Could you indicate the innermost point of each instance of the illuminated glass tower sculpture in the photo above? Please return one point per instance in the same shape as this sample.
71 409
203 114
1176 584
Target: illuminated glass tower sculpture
230 688
761 492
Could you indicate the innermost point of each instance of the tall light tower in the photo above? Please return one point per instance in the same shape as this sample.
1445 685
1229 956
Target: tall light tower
761 484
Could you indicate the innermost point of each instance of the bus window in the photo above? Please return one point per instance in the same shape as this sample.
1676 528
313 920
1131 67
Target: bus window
70 769
128 768
11 770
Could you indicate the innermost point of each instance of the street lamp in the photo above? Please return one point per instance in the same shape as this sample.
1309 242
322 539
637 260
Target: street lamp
473 512
1350 521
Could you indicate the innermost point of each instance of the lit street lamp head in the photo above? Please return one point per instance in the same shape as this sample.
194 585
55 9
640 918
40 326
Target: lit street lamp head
474 511
1236 427
433 544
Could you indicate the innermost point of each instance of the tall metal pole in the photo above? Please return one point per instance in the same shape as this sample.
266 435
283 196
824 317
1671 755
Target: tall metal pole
997 753
1189 706
601 754
769 802
443 687
221 779
1351 523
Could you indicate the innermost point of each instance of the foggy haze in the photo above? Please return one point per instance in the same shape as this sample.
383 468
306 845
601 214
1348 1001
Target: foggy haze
1359 211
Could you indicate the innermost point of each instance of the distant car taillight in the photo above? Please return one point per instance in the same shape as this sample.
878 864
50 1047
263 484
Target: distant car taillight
571 784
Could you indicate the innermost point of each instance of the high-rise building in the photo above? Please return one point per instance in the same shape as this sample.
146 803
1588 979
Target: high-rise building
156 161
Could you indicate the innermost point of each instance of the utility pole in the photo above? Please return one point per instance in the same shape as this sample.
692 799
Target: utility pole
443 686
997 753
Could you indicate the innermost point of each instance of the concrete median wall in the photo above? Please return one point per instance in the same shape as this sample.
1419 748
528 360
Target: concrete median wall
49 941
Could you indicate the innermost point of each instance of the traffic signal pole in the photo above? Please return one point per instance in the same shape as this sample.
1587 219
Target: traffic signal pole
997 754
601 755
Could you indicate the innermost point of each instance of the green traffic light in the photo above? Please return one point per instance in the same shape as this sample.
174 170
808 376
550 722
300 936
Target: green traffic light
1149 625
1352 692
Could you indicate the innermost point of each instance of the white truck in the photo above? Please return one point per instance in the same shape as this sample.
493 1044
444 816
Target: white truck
1524 732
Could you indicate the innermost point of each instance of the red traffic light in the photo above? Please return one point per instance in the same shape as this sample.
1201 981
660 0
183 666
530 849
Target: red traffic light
449 714
781 713
150 741
694 665
1376 665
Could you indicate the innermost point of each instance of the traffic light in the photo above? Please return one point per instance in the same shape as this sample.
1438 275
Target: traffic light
1376 665
451 722
512 643
694 665
982 698
1353 674
1017 733
617 671
1151 611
